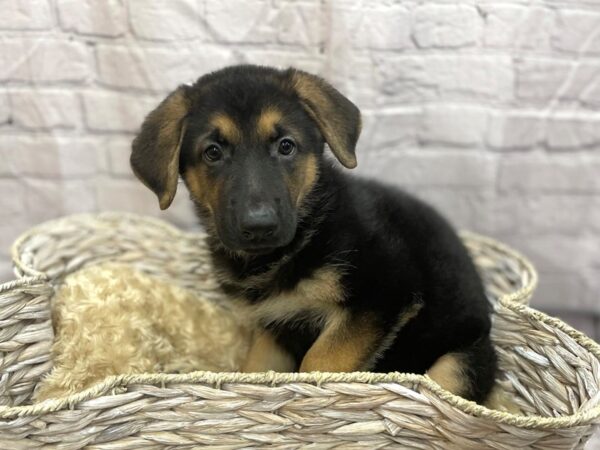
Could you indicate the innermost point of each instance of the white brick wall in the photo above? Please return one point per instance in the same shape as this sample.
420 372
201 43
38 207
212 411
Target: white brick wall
488 109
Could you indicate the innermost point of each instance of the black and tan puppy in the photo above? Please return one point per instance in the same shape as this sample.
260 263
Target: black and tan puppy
339 273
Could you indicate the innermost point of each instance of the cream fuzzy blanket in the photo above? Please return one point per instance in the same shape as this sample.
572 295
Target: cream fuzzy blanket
112 319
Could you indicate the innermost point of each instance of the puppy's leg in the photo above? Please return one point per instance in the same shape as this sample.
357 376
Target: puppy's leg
450 372
470 372
345 345
266 354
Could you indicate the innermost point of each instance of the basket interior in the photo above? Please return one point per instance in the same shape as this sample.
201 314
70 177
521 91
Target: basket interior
546 369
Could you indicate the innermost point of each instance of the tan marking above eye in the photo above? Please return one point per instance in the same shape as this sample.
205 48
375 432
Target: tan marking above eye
267 120
227 127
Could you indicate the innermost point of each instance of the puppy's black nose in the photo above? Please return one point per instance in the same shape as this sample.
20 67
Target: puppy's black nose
259 223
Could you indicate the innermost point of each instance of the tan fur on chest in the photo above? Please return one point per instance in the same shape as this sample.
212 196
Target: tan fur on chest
319 297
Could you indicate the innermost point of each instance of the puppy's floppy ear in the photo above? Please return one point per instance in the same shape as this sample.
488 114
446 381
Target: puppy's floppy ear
337 117
155 150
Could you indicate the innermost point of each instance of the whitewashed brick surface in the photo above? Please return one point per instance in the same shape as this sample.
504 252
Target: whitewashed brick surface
94 17
22 15
46 60
446 26
488 109
4 108
45 110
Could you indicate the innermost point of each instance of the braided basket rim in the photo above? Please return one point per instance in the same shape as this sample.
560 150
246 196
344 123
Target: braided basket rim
217 379
15 250
22 282
526 290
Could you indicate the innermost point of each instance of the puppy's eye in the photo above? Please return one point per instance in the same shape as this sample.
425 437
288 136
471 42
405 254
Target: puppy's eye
212 154
286 147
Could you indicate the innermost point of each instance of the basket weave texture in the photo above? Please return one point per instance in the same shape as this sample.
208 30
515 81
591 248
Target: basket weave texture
552 370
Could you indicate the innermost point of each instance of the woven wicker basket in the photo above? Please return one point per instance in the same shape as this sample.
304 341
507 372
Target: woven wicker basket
552 370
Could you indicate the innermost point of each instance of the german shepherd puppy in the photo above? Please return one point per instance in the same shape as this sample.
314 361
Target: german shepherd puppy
339 273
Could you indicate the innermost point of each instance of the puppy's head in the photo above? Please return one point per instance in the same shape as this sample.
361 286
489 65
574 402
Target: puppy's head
247 141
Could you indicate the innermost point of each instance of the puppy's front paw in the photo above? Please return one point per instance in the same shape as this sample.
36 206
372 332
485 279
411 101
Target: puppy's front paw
265 354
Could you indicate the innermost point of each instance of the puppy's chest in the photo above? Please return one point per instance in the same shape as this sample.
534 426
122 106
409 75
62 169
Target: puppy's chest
314 298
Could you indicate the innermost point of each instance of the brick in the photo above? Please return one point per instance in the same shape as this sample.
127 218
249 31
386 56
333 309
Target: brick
13 225
591 278
423 169
283 3
47 199
561 173
546 79
469 209
533 214
12 204
514 130
165 20
594 208
45 109
311 61
474 77
358 79
93 17
408 79
119 150
25 15
300 24
581 82
401 79
132 196
384 28
6 273
590 96
157 69
558 291
577 32
253 22
446 25
568 132
517 26
454 125
540 79
389 128
557 253
44 60
51 156
4 108
181 212
112 111
126 195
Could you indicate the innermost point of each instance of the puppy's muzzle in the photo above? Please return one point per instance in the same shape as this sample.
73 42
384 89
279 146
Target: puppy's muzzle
259 225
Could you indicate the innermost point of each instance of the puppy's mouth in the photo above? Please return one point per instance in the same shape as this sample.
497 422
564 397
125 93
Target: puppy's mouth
257 251
260 248
230 237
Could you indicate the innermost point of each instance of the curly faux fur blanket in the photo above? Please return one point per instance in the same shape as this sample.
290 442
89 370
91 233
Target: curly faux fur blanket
113 319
